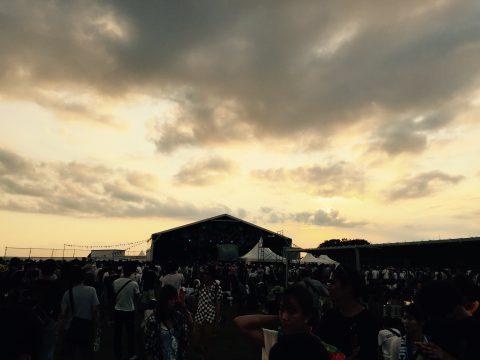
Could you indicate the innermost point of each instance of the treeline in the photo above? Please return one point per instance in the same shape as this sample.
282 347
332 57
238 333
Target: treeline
343 242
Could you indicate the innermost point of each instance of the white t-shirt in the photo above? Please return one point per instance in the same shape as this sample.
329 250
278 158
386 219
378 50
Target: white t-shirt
176 280
84 299
386 338
126 297
270 338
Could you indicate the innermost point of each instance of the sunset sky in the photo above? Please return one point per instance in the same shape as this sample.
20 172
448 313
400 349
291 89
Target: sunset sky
323 119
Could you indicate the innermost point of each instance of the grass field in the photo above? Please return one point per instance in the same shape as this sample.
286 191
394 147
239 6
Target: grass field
227 342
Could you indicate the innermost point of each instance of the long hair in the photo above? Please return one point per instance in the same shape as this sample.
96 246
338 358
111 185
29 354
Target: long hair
304 299
349 276
165 294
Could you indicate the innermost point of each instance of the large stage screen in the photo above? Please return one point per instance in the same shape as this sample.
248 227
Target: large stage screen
227 252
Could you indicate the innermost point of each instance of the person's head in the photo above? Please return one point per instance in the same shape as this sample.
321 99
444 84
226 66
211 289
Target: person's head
469 292
412 319
128 269
438 299
208 275
392 323
296 311
167 298
77 275
305 272
196 283
172 267
15 263
345 283
48 267
152 304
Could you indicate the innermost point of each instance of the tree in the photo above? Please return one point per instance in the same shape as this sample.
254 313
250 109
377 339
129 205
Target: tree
343 242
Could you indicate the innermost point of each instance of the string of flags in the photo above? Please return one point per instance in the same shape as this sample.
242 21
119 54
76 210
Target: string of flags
129 244
132 246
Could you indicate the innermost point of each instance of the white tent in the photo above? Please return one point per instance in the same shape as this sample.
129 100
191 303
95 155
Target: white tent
322 259
261 254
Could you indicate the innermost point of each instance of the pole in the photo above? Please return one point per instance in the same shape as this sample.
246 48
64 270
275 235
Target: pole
63 254
285 255
30 253
5 255
74 253
357 258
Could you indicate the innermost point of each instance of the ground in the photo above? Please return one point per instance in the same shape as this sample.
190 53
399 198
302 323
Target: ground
228 342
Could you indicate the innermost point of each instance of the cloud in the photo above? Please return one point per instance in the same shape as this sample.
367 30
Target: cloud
72 106
320 217
205 172
409 135
245 69
423 184
86 190
335 179
12 163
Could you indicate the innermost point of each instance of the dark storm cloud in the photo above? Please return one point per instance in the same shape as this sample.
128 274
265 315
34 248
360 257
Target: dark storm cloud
335 179
87 190
244 68
205 172
409 135
423 184
320 217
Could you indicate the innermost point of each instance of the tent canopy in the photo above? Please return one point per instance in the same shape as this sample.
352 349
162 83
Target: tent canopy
261 254
322 259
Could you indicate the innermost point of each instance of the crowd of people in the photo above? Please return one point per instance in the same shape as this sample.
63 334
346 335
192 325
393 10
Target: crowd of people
57 310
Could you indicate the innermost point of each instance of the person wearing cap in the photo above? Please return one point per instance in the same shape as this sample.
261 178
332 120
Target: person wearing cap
207 313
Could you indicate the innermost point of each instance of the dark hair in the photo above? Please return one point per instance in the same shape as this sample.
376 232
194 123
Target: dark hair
303 297
305 273
48 267
349 276
415 311
389 322
77 275
171 267
165 294
128 269
438 298
467 288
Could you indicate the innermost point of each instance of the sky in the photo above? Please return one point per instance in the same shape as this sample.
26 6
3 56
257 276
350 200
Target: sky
320 119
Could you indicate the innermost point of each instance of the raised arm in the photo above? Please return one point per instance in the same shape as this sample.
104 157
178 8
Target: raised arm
252 325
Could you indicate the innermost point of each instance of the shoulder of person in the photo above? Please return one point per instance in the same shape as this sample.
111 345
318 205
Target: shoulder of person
395 342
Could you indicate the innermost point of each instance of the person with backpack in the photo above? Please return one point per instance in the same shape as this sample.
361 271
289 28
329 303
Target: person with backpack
125 293
387 335
80 302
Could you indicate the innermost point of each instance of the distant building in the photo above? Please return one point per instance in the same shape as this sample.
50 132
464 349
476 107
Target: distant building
459 253
107 254
204 240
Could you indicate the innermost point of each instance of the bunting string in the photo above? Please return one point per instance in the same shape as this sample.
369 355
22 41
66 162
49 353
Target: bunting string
129 245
